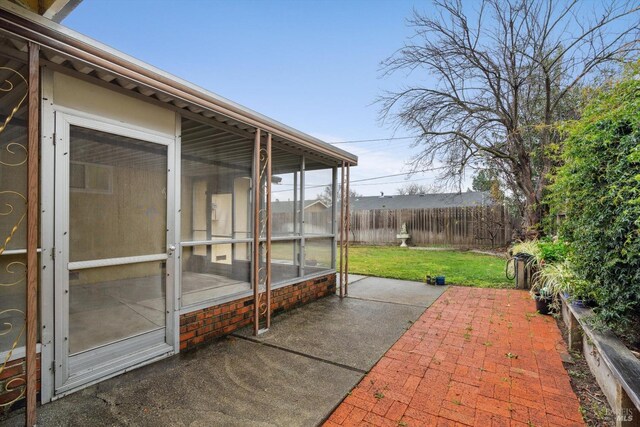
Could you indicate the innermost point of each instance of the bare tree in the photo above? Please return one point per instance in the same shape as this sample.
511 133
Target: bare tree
413 188
505 74
327 193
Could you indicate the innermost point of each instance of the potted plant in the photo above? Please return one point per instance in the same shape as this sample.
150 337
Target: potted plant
551 280
544 301
581 294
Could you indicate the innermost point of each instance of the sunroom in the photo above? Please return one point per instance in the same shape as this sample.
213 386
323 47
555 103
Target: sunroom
136 213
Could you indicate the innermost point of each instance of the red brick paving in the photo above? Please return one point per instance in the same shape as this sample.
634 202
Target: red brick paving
476 357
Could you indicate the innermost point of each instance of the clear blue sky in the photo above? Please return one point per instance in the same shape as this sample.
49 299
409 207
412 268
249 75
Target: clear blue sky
313 65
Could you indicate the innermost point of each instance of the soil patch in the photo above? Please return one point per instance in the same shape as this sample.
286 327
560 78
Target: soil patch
593 403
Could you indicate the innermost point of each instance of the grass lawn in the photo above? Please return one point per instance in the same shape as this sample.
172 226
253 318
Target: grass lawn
460 268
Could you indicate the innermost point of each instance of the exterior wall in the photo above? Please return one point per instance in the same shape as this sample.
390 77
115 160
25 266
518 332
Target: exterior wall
12 384
93 99
142 233
206 325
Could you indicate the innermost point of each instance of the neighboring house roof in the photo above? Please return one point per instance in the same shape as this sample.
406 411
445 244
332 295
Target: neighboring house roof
422 201
285 207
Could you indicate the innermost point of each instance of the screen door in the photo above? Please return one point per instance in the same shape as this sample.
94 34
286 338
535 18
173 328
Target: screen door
112 251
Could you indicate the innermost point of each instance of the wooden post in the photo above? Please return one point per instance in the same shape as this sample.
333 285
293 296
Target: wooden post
334 216
32 231
268 232
347 229
341 230
256 233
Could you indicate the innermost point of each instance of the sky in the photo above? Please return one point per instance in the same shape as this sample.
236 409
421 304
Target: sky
311 64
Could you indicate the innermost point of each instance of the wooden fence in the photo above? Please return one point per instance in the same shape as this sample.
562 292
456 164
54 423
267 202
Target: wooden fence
479 226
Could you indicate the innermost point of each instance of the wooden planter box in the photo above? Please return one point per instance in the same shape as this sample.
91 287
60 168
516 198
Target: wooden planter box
615 368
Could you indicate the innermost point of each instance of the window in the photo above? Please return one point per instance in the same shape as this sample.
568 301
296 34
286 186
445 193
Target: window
91 178
216 214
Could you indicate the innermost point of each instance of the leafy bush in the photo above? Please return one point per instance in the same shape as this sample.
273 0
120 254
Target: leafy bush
598 189
543 251
553 250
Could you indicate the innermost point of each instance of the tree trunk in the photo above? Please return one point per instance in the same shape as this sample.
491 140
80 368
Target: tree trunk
532 219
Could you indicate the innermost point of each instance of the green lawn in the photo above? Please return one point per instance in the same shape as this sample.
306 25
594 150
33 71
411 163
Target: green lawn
460 268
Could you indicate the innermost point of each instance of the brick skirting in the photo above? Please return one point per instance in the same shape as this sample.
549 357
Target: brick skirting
205 325
12 384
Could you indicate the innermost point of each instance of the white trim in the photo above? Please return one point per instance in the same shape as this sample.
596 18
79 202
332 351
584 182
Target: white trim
216 301
122 355
47 216
18 252
318 236
174 281
18 353
108 262
61 282
213 242
116 367
298 280
249 293
282 238
91 121
303 244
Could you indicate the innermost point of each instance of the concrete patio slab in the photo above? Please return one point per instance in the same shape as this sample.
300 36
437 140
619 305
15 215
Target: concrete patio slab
395 291
232 382
349 332
356 277
294 375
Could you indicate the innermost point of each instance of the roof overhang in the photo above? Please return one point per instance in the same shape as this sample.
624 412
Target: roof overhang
67 48
56 10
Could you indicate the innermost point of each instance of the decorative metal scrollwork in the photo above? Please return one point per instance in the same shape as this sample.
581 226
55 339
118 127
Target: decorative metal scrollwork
264 247
10 213
10 209
9 270
10 88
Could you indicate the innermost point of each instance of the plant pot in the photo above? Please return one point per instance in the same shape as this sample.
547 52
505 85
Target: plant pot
583 303
543 304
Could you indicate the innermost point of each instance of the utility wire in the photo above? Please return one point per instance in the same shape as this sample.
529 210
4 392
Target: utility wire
396 182
398 174
370 179
356 141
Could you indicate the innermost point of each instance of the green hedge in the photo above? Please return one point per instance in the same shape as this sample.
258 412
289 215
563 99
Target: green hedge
598 188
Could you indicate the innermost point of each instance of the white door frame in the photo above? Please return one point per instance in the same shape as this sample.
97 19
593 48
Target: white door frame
130 352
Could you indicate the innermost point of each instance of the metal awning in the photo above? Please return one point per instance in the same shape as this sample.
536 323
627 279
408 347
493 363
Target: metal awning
68 51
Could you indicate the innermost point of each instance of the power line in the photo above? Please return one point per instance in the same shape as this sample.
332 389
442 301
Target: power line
396 182
370 178
398 174
356 141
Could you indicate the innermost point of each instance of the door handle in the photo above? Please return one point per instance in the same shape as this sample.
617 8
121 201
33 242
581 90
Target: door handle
172 249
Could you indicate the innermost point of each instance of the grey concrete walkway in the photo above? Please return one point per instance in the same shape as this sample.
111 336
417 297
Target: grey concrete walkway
292 376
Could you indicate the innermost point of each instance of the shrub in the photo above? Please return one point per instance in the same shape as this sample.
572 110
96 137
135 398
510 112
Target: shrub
598 189
553 250
543 251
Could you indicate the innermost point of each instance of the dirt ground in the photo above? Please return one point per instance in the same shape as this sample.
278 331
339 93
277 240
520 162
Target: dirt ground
593 403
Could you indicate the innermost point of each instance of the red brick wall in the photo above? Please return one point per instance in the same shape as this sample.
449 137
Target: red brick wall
12 384
213 322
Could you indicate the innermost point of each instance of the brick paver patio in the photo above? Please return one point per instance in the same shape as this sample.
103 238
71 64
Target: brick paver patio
476 357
